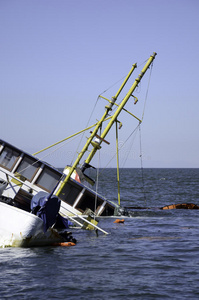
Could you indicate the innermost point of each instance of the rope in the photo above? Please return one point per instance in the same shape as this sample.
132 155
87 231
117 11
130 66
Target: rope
78 146
147 91
143 63
97 179
134 131
121 78
97 182
142 170
112 85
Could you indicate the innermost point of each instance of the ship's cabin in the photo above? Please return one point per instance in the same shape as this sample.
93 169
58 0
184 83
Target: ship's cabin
23 175
28 168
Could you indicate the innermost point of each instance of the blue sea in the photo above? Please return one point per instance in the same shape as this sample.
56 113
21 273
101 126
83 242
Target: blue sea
152 255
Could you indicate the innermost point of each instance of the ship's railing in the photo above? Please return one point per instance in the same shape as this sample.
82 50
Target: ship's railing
71 211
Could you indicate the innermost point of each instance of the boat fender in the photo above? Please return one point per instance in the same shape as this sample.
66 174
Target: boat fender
119 221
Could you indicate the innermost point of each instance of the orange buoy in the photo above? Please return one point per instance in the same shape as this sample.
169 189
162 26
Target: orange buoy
119 221
65 244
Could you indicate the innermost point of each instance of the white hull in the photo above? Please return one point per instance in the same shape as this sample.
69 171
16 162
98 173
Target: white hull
19 228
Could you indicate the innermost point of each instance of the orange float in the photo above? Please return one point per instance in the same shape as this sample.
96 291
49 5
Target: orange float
119 221
65 244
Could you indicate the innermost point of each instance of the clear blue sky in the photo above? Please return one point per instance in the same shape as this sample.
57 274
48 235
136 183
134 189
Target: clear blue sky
57 56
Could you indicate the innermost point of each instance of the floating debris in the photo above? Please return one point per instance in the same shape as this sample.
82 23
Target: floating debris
119 221
181 206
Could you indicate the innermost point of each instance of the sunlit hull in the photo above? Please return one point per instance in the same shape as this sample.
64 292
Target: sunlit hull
19 228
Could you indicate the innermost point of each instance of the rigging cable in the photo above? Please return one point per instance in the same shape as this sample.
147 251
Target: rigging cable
78 146
112 85
128 152
142 170
147 91
118 172
120 147
93 111
141 157
97 180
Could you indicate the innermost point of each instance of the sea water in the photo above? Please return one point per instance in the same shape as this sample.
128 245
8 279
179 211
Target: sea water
152 255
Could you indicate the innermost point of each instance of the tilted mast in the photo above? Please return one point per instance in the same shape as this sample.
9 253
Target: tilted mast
122 104
96 145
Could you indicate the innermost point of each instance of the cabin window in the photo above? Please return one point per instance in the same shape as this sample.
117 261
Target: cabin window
8 158
48 179
89 200
28 167
70 193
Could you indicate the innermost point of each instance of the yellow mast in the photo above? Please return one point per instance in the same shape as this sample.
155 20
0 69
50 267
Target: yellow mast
96 144
122 104
108 108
